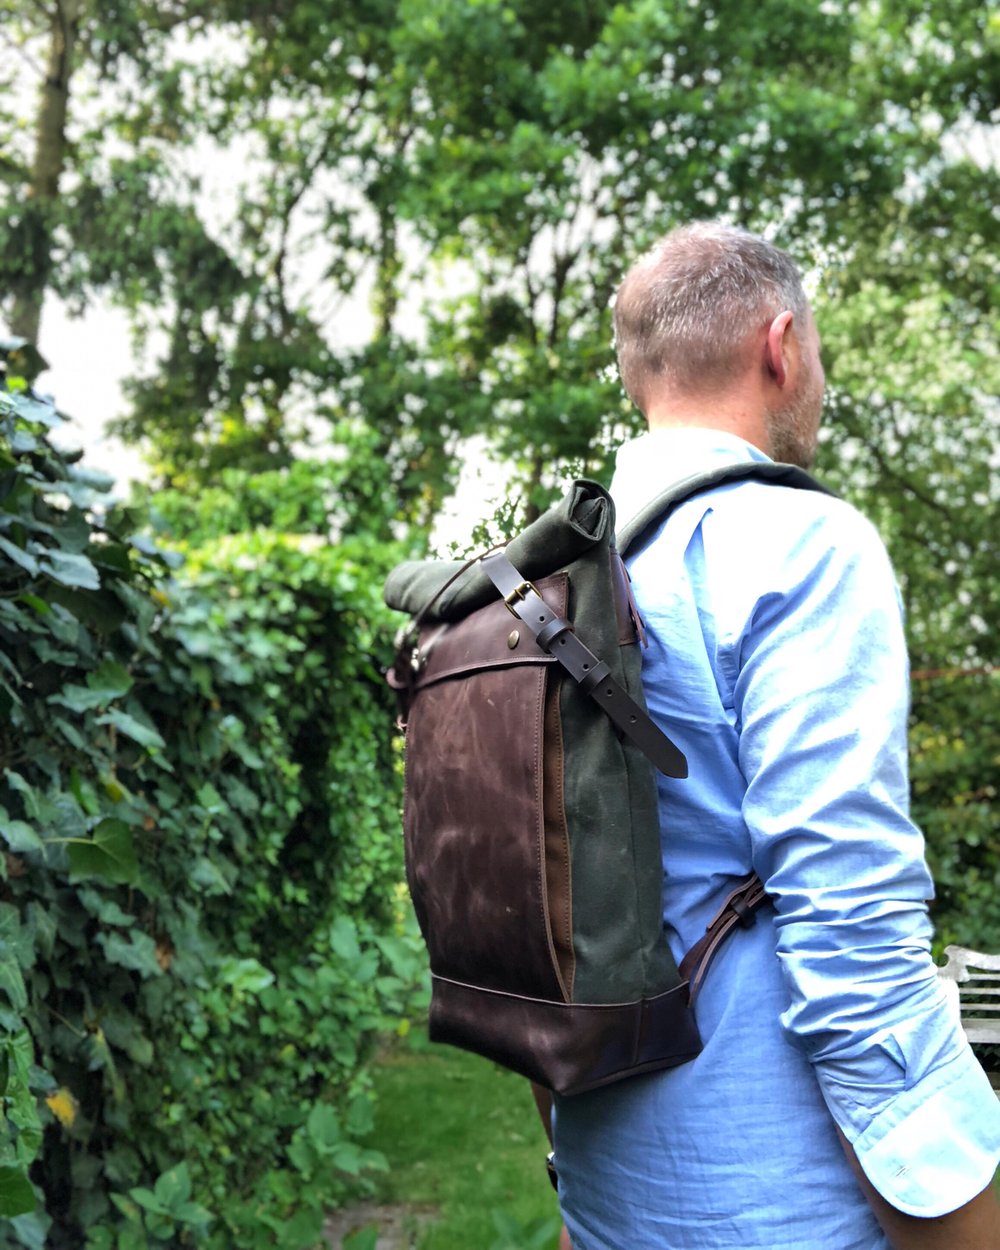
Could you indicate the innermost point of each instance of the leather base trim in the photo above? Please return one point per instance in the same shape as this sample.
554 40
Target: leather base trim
567 1047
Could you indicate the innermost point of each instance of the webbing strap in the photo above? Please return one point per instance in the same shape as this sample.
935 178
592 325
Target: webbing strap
554 634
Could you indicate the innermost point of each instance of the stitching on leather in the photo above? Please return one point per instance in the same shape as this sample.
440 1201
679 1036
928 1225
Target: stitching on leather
554 817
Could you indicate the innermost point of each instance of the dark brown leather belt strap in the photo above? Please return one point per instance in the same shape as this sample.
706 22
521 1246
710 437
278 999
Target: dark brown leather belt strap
738 909
555 636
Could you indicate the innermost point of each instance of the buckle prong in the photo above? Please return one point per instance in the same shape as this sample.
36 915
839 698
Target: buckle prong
519 592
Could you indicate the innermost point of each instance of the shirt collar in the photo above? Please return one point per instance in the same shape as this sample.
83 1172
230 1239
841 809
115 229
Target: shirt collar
651 463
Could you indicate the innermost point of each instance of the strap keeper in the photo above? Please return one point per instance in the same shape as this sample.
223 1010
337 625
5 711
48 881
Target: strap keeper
550 632
594 677
744 913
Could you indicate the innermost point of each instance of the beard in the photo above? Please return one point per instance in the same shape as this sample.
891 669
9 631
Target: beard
794 427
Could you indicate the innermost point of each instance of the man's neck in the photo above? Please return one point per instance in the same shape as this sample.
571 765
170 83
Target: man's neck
731 415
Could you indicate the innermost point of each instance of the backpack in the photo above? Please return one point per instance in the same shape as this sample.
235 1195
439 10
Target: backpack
531 823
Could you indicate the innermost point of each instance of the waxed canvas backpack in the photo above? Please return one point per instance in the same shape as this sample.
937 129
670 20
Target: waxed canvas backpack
531 825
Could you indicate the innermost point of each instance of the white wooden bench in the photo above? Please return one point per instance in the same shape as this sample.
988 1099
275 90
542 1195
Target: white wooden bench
973 983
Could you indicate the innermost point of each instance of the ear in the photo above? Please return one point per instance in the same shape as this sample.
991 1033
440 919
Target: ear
776 349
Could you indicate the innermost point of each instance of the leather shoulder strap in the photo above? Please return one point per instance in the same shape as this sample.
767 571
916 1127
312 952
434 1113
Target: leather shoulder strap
555 635
635 530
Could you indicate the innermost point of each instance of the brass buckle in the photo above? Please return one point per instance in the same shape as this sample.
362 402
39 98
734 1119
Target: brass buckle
519 592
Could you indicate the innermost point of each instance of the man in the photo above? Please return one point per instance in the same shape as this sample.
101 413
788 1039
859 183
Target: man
836 1104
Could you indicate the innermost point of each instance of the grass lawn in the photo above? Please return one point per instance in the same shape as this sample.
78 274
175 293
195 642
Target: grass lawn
463 1137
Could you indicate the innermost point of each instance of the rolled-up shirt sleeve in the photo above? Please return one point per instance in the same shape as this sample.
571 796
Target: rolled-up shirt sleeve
821 701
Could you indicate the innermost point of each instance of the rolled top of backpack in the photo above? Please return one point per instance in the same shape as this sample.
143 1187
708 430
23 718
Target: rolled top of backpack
583 517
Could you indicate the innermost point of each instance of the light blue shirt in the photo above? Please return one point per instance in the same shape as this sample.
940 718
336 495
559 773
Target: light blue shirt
777 662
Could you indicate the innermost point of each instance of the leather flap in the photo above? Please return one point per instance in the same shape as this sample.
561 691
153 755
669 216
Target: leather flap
491 637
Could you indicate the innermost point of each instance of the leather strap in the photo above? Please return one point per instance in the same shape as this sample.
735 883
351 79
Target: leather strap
554 634
739 908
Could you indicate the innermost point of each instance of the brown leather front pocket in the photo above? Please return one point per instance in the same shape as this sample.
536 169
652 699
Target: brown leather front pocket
482 857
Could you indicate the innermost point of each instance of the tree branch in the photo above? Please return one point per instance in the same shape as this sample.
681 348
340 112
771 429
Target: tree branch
50 14
902 480
563 265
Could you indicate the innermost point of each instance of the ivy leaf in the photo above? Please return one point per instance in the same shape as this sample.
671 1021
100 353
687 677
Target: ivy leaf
70 569
105 909
110 680
148 1200
132 728
140 1050
31 798
23 442
104 1059
16 938
17 1197
12 983
35 603
113 556
19 836
304 1228
20 557
135 951
174 1187
110 854
323 1127
348 1157
78 698
245 975
42 925
96 479
302 1153
209 877
344 939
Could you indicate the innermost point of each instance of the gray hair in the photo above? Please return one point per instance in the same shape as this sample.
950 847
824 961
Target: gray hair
690 309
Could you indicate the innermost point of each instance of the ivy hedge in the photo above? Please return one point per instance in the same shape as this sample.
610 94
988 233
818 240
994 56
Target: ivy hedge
199 909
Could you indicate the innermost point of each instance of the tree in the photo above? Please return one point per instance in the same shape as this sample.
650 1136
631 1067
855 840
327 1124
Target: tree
59 41
502 162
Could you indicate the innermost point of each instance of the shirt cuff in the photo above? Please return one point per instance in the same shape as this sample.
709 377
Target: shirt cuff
935 1146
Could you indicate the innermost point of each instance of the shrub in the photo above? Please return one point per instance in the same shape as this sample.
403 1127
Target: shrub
198 909
954 769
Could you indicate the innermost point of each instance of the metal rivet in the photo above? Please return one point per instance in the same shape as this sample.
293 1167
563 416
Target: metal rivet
513 638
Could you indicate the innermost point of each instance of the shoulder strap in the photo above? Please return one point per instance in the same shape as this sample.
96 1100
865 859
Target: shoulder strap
555 635
654 512
741 905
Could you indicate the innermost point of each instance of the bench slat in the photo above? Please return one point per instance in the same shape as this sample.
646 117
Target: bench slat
975 976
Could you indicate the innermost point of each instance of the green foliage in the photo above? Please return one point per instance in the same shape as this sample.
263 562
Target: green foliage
352 497
198 910
955 764
500 163
541 1234
364 1239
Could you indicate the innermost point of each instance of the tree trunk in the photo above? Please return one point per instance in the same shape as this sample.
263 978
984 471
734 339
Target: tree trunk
389 266
46 168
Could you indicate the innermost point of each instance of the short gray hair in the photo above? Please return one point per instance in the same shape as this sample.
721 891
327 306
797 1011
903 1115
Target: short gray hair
689 309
